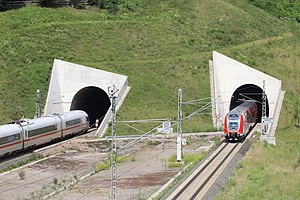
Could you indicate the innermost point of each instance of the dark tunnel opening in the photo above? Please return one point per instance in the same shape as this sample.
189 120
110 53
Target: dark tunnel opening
249 92
94 101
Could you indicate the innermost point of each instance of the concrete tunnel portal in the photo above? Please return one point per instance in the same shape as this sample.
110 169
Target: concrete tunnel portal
93 100
231 82
249 92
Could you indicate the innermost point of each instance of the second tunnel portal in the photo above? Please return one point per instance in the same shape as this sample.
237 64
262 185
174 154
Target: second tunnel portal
93 100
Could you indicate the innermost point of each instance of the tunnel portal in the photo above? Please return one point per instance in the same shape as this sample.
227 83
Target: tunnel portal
249 92
93 100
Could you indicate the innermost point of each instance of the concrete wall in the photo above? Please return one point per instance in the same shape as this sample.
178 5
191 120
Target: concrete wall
68 78
227 75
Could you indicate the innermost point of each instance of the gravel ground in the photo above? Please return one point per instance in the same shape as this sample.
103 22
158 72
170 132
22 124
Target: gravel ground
138 178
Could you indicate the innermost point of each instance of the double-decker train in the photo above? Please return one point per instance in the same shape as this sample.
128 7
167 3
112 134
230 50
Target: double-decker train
27 133
239 120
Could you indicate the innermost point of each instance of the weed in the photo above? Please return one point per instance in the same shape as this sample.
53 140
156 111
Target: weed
153 142
75 177
172 161
217 140
239 165
297 161
32 195
55 181
101 166
132 158
231 183
22 174
21 163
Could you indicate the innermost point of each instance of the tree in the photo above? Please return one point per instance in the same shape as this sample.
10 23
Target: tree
3 4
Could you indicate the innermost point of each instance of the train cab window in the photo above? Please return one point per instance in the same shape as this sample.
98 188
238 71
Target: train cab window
10 138
233 117
73 122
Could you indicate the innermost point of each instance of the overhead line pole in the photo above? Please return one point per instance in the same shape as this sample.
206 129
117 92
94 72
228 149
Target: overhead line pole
112 91
179 129
37 104
264 115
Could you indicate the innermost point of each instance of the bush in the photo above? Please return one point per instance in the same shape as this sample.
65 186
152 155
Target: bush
102 4
286 9
129 5
45 3
79 4
111 5
3 4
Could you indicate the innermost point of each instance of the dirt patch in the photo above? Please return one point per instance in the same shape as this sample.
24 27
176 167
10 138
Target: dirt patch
145 180
75 145
137 178
59 163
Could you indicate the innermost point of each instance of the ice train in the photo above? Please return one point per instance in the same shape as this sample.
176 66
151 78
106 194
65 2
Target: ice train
25 134
239 120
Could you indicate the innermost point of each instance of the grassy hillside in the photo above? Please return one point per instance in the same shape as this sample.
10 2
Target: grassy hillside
162 46
280 8
171 41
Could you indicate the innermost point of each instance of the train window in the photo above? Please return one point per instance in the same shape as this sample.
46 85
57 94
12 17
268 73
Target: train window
73 122
233 117
233 125
39 131
10 138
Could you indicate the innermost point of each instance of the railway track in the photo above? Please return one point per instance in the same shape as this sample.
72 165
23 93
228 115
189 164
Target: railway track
200 181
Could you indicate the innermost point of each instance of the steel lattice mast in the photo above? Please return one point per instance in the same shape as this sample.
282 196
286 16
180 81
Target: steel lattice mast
179 128
37 104
264 112
112 91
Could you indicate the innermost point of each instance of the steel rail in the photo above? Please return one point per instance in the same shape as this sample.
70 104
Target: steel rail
213 173
207 179
198 173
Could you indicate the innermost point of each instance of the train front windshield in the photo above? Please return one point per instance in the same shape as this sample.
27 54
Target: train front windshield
233 122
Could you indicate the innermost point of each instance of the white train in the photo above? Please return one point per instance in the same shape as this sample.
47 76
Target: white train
30 133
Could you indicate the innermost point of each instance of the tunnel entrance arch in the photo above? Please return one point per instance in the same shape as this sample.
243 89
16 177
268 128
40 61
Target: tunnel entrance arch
249 92
93 100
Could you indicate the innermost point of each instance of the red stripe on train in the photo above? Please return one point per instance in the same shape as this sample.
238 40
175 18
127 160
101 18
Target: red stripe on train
44 135
225 126
241 129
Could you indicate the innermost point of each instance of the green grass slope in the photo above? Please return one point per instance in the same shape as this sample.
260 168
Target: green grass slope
169 41
281 8
162 46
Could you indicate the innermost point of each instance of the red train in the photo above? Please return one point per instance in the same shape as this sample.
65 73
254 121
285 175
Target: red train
239 120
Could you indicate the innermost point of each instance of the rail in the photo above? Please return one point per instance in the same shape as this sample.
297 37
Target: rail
200 179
